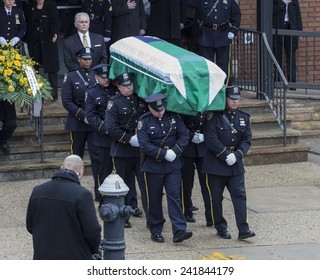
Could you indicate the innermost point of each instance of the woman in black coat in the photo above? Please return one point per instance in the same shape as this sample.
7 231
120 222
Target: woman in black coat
42 34
287 15
166 19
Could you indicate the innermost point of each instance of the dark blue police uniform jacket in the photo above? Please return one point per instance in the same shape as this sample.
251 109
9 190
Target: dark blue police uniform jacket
221 142
14 25
156 136
95 107
73 94
121 121
224 18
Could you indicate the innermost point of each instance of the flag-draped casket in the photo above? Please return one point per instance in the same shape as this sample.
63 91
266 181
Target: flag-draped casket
190 82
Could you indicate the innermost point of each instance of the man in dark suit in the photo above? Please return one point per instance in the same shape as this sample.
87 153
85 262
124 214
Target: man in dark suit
61 216
8 118
83 38
228 138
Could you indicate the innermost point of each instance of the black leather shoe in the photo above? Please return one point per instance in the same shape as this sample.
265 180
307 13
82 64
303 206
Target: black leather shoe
190 219
5 148
246 234
127 224
137 212
209 224
195 208
157 237
224 234
181 235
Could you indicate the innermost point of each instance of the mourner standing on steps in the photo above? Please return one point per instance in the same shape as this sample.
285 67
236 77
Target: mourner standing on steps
96 105
228 138
193 159
217 23
61 216
12 29
123 112
42 38
73 95
287 15
163 137
82 39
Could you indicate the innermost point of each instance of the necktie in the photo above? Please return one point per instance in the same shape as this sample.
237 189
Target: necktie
9 13
85 41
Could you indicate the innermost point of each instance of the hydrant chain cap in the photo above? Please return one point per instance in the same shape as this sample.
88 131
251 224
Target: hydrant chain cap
113 185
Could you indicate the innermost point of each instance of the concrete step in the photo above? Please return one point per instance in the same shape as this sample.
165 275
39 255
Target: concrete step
34 169
265 137
259 155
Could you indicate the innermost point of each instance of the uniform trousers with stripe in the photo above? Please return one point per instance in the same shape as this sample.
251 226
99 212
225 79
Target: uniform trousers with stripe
236 187
78 141
154 186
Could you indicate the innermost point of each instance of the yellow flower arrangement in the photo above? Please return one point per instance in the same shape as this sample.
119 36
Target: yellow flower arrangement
14 83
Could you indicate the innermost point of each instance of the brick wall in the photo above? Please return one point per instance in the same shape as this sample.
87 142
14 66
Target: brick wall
309 11
308 68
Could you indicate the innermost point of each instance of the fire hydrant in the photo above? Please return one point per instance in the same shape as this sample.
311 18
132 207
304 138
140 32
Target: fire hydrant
113 212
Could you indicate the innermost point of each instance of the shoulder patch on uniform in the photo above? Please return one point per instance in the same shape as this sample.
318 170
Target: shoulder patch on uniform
139 126
110 104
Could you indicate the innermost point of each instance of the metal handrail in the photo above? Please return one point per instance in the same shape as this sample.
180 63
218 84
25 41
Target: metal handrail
256 69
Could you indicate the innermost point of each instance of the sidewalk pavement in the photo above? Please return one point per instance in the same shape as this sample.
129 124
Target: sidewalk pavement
283 210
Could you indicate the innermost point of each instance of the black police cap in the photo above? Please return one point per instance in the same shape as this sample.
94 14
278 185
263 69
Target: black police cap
125 78
85 52
233 92
101 70
156 101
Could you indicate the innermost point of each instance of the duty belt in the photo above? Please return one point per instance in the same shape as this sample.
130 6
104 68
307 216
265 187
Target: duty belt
221 26
92 17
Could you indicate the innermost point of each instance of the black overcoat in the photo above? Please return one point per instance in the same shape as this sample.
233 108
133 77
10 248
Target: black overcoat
48 26
127 22
165 18
62 220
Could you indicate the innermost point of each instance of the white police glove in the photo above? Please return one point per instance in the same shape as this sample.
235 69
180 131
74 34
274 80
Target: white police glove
3 41
231 159
170 155
197 138
230 35
86 120
106 39
14 41
134 141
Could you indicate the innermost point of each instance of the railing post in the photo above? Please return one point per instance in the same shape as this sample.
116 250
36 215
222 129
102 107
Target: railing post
264 24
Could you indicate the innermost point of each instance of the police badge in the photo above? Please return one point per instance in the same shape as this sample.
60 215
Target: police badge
17 19
110 104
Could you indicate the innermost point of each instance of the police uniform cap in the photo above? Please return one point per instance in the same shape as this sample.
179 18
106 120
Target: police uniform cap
85 52
156 101
233 92
124 79
101 70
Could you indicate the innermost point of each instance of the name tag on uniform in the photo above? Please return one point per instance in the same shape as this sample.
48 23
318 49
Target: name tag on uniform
97 45
242 122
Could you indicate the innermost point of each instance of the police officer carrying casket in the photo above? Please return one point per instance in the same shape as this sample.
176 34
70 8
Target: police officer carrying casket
218 22
96 105
163 137
73 96
193 159
123 111
228 138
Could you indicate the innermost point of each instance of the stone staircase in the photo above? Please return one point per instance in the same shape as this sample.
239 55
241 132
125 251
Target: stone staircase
24 161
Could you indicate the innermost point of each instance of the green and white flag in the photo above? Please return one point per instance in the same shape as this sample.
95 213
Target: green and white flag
191 83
